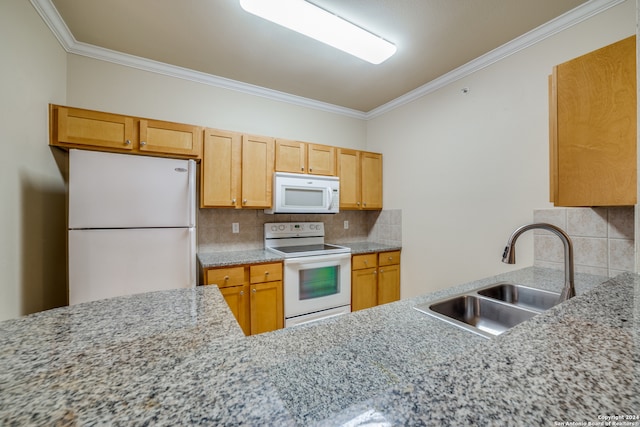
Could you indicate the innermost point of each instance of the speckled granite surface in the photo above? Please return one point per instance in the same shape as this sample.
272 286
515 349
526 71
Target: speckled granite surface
179 358
369 247
256 256
221 259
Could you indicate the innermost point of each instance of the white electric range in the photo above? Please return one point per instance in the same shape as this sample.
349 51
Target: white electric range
317 275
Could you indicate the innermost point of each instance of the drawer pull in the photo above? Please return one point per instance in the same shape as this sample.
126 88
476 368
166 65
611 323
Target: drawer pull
226 278
266 273
390 258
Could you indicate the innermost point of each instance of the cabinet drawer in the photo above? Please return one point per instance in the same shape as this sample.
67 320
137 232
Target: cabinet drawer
265 272
359 262
224 277
388 258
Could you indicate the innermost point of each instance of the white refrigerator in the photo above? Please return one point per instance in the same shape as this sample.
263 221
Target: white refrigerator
131 225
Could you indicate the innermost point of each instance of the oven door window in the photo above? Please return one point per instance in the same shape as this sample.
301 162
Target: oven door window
304 197
319 282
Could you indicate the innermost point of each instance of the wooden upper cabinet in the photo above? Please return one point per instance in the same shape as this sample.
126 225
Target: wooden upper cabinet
349 173
220 173
84 127
170 138
321 159
237 170
593 128
360 175
95 130
257 171
371 167
302 157
290 156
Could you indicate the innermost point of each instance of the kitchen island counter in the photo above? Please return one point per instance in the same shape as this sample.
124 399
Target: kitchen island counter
179 358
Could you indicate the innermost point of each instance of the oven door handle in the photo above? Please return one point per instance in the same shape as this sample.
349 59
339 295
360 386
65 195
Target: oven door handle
317 258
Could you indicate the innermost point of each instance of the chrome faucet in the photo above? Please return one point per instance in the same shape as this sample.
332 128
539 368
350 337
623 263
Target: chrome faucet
509 255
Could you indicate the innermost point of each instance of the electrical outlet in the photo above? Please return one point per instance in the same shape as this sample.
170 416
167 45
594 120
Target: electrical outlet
235 227
346 225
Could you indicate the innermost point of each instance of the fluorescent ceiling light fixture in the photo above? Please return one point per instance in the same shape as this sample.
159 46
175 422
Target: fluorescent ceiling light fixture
319 24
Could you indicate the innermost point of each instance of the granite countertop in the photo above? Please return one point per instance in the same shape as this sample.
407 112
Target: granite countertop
256 256
179 358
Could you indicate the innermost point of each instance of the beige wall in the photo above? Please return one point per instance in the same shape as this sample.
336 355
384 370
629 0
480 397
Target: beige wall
32 193
106 86
467 169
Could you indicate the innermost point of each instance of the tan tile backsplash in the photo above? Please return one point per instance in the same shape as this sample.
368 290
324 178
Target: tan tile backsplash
215 227
603 239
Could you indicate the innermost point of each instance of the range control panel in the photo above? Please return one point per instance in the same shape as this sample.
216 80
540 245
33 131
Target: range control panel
278 230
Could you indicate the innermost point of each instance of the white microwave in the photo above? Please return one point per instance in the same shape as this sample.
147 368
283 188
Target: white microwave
299 193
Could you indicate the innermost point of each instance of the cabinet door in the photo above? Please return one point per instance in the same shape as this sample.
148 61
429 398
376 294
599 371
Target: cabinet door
267 313
371 180
257 171
220 172
170 138
595 140
92 128
388 284
290 156
321 159
349 173
238 300
364 289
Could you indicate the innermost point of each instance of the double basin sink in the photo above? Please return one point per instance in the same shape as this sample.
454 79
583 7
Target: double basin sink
491 310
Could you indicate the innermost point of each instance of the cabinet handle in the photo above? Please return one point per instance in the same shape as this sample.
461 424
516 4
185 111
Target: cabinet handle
233 201
142 143
381 271
266 273
357 203
241 293
127 142
366 262
244 201
310 169
302 168
364 204
226 278
253 290
390 258
375 272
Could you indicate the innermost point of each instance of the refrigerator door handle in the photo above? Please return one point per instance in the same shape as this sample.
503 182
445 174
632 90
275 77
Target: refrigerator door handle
192 193
192 257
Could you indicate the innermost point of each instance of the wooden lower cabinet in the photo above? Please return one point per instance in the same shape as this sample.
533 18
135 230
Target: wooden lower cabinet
253 293
375 279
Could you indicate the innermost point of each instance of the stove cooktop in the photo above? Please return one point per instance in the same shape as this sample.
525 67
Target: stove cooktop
310 250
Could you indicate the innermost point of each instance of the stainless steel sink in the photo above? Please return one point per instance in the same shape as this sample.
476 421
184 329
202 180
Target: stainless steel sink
491 310
521 296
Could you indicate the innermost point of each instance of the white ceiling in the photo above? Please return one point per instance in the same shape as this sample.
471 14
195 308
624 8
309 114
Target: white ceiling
218 38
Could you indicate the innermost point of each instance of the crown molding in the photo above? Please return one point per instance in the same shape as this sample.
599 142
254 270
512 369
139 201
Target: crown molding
58 27
562 22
